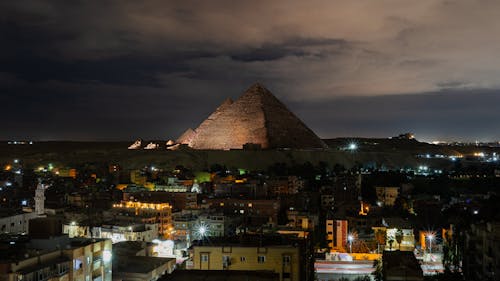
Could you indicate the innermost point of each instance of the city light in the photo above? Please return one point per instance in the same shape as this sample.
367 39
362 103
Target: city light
202 230
353 146
430 237
350 238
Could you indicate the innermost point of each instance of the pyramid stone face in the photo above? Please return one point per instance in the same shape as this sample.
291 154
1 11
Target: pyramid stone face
257 117
186 137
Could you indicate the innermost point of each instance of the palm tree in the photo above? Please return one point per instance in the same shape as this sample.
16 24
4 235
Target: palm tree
399 237
377 273
391 241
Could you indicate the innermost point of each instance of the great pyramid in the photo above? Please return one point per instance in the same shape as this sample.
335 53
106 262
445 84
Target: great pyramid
257 117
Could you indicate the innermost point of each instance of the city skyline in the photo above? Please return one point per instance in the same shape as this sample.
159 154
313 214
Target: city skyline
124 70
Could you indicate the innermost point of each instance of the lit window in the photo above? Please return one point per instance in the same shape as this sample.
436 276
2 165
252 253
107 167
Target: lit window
261 259
204 258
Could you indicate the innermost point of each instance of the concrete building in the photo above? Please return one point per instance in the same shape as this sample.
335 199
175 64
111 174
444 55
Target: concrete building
287 258
482 258
140 268
117 232
220 275
302 220
18 222
184 227
126 232
393 230
57 258
336 235
12 222
190 225
178 200
387 195
149 213
284 186
256 212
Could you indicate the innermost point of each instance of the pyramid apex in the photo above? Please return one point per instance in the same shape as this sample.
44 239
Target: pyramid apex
257 89
257 86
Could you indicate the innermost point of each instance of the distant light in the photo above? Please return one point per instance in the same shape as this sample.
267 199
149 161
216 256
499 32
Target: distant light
106 255
8 183
430 237
202 230
16 161
353 146
24 203
73 223
475 212
18 172
350 238
423 168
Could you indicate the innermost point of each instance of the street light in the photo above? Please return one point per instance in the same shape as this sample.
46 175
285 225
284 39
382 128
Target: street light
350 238
353 146
202 230
430 237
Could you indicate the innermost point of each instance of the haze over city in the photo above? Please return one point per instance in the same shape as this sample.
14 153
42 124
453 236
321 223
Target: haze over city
120 70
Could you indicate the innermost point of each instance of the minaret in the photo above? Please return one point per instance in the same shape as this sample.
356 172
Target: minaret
40 198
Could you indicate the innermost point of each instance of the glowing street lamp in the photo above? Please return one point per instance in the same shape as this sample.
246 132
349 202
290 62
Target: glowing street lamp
202 230
430 237
352 146
350 238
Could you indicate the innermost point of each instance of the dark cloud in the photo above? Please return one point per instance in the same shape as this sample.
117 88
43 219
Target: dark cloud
445 115
120 69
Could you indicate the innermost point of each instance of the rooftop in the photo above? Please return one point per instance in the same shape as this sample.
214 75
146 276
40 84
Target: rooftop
220 275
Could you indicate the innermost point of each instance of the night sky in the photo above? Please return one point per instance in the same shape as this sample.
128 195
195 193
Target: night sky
119 70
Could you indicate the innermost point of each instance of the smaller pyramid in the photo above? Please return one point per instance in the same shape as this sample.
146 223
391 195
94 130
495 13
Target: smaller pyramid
186 137
257 117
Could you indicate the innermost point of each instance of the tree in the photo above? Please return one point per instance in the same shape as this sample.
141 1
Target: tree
399 237
378 272
391 241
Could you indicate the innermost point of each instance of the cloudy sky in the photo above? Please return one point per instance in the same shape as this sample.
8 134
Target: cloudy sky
118 70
